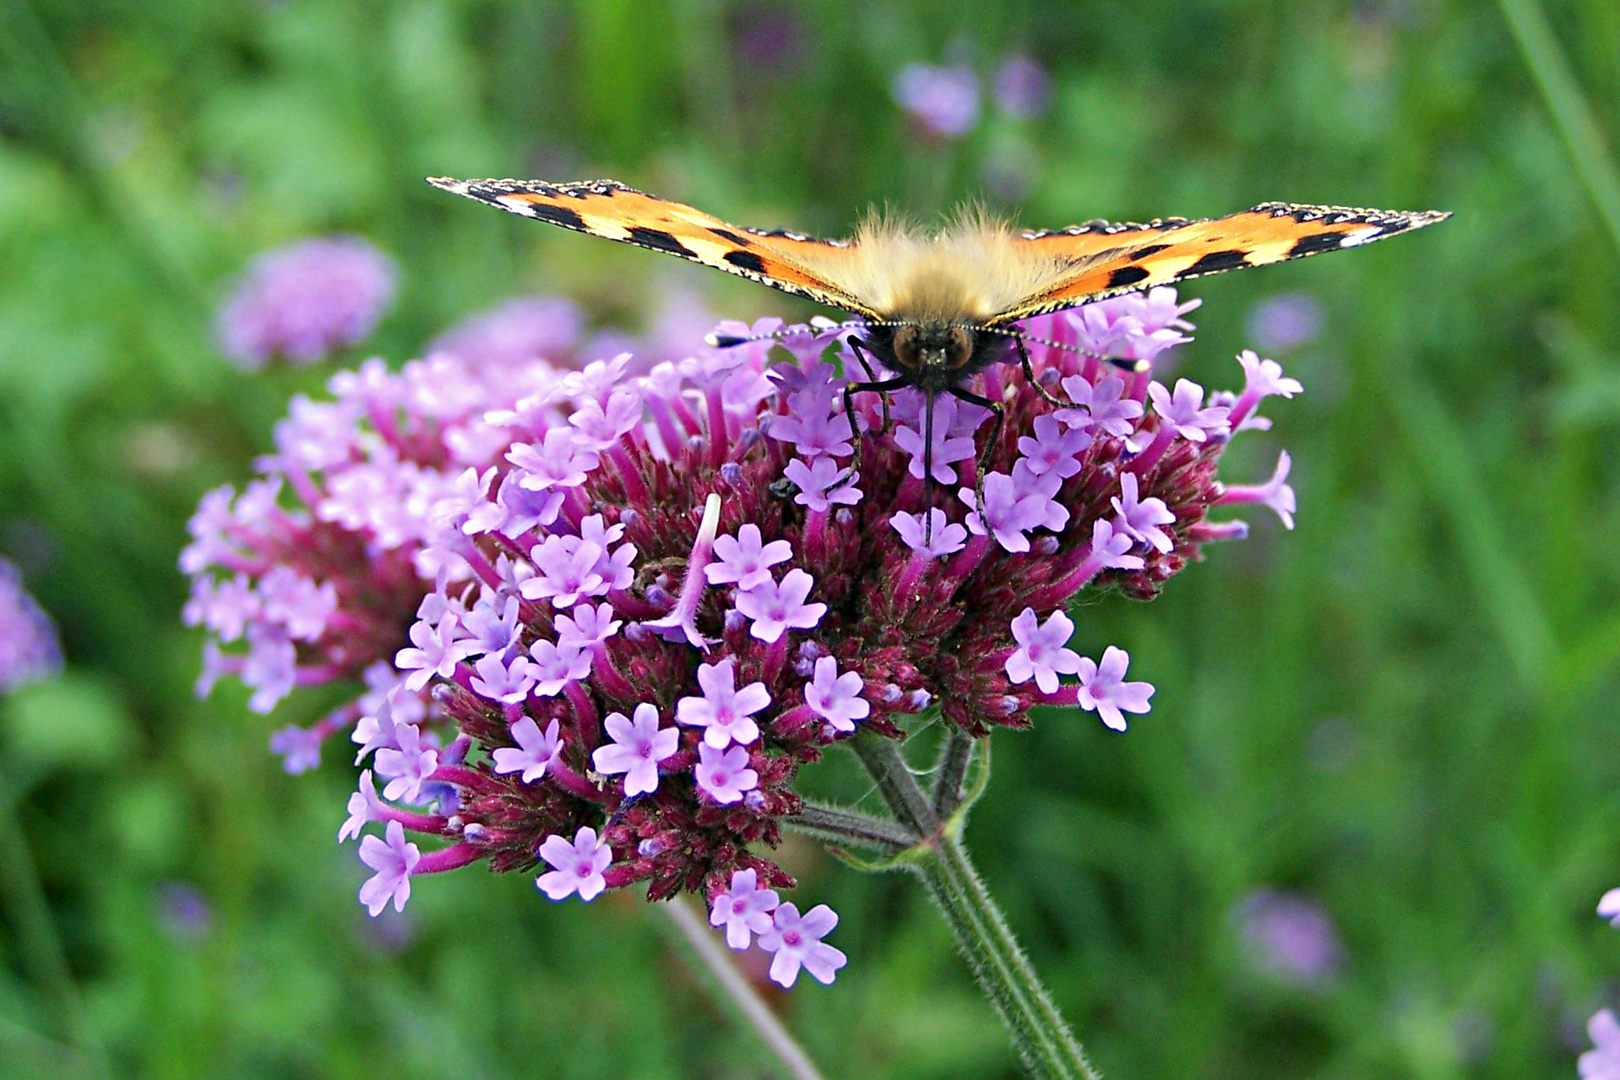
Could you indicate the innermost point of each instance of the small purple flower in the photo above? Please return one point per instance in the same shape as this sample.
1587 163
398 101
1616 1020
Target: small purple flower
1609 907
534 754
438 650
1603 1061
508 682
1053 450
306 300
724 774
586 626
1022 87
364 807
822 483
949 444
1141 518
724 712
1043 652
1289 936
1008 512
816 434
1184 413
1100 408
1261 379
744 909
555 666
556 462
947 537
1275 493
566 572
796 941
776 607
636 750
299 748
408 766
1103 688
745 559
836 698
578 865
943 100
393 861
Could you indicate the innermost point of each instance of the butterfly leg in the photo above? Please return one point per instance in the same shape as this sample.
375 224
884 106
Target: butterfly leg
855 345
881 386
1029 374
996 411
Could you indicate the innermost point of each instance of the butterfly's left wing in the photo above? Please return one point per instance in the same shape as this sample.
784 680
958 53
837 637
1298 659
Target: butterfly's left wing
1110 259
610 210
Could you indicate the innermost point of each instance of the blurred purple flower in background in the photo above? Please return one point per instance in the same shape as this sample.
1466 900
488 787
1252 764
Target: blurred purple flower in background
1021 86
29 648
515 332
944 101
1288 936
184 912
304 301
1285 321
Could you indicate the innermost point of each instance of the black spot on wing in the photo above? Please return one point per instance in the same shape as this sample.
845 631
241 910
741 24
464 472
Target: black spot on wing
659 240
730 237
1315 244
1127 275
1142 253
745 260
557 215
1215 262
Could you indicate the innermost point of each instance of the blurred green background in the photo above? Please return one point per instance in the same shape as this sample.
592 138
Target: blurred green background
1403 711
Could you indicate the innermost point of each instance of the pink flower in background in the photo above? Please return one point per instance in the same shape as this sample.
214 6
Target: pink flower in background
1289 936
305 301
944 101
29 648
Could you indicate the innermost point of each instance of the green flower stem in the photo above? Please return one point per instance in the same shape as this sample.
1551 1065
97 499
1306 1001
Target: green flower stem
1044 1041
953 763
734 992
1575 119
847 826
36 938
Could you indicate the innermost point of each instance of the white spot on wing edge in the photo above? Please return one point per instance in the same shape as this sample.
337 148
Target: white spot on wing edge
1356 237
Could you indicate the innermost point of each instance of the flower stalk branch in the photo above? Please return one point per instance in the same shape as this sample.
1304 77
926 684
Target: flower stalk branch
1043 1039
836 824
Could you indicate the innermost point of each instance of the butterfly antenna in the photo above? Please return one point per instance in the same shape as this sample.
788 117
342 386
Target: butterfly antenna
1116 361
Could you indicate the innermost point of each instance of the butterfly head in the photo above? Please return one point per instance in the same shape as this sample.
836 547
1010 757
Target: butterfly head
934 356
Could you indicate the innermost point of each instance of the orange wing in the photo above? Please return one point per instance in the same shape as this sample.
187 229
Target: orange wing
608 209
1111 259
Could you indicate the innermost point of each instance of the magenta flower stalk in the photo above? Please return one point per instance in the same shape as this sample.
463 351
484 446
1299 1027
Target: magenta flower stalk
624 607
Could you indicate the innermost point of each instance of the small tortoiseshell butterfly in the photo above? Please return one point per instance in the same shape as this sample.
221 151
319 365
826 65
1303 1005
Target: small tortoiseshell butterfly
937 308
940 307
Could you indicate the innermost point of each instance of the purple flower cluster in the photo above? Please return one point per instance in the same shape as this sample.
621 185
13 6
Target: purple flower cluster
306 300
657 594
310 574
29 648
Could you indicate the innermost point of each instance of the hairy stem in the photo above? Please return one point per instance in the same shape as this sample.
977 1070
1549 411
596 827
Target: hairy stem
735 993
953 763
839 825
1043 1040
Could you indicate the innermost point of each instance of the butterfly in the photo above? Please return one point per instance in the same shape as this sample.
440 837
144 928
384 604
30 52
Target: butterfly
935 308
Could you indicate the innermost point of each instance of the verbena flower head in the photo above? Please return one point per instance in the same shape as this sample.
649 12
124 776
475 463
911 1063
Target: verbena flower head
29 648
306 300
624 607
944 101
1022 87
1289 937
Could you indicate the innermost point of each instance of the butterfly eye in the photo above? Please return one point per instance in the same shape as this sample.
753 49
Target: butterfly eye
905 348
958 347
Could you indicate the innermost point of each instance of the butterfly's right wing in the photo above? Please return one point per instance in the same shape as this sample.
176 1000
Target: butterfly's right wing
608 209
